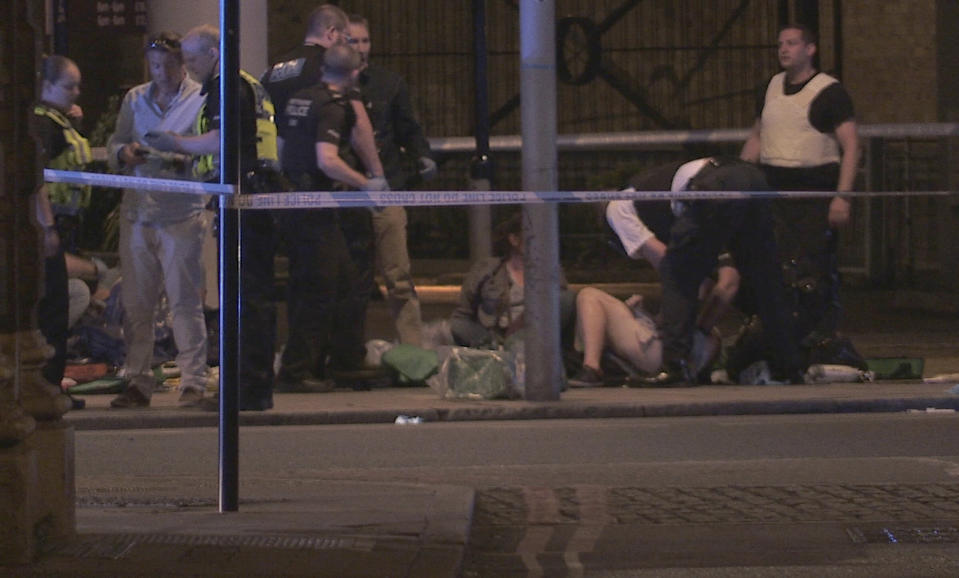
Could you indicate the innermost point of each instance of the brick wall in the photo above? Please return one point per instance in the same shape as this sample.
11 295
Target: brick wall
890 63
891 57
696 63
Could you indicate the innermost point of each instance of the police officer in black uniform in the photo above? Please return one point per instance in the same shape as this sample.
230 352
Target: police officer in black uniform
302 68
299 69
327 293
701 232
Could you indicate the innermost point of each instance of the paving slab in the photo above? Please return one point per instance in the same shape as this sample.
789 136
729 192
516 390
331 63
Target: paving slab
337 530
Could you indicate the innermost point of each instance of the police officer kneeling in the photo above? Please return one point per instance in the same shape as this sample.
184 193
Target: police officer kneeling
703 229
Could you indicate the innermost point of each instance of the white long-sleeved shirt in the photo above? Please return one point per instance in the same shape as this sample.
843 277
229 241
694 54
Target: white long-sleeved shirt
139 114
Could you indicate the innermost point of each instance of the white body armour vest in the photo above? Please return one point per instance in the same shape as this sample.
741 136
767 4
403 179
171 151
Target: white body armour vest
788 138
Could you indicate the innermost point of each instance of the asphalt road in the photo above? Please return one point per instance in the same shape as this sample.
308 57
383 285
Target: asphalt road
824 495
759 449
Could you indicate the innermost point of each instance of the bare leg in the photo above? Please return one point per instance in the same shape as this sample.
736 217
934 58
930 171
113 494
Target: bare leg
605 321
591 325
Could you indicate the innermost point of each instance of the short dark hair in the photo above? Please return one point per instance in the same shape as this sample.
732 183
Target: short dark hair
511 226
326 16
808 35
359 20
53 67
339 61
165 41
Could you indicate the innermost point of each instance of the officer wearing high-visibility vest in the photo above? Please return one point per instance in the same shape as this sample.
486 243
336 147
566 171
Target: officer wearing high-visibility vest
58 204
258 156
63 146
207 166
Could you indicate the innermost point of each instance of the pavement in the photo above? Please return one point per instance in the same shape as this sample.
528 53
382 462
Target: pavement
412 530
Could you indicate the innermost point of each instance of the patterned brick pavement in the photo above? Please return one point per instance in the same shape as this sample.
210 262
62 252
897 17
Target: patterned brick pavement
717 505
579 530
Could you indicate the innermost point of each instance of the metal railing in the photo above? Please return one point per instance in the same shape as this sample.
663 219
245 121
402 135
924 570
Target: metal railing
891 241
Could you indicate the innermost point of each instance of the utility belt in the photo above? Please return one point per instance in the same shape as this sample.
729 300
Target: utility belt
701 180
265 178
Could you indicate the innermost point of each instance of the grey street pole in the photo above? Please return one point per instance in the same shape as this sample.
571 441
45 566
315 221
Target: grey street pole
537 24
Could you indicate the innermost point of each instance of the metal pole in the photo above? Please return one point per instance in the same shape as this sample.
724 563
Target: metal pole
481 167
229 432
537 23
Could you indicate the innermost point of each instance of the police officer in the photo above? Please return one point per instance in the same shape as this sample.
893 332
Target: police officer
64 147
258 159
701 231
60 203
302 67
327 293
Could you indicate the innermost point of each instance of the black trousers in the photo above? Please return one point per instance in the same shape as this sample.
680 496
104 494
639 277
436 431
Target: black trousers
257 307
349 323
322 276
744 228
807 246
53 311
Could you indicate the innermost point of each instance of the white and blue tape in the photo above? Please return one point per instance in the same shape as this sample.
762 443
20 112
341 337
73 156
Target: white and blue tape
129 182
332 200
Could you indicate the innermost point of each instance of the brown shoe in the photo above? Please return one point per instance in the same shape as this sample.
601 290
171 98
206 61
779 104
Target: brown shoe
131 397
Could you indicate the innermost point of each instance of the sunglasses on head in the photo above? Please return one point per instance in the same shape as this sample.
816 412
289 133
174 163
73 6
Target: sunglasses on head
166 44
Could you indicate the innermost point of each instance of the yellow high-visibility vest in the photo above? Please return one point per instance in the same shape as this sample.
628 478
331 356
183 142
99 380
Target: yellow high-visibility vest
65 197
266 150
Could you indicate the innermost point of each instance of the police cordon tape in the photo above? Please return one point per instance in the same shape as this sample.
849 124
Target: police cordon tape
128 182
320 199
342 199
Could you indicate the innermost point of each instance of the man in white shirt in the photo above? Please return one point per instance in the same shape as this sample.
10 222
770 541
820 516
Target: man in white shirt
161 234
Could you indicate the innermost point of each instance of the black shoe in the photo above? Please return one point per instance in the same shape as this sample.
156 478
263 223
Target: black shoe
587 377
788 377
674 374
306 385
77 403
362 378
257 404
260 401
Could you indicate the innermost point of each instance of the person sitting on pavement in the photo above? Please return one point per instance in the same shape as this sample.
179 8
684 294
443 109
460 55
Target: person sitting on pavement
603 322
89 281
624 335
492 300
